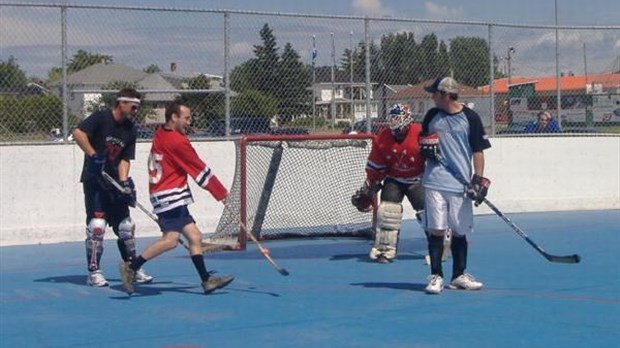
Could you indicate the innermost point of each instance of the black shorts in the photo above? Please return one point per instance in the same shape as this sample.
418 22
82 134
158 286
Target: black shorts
175 220
394 191
103 203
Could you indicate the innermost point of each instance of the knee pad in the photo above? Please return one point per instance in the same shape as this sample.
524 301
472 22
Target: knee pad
95 229
126 229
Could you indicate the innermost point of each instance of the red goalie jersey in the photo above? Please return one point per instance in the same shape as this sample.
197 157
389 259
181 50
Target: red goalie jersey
171 160
400 161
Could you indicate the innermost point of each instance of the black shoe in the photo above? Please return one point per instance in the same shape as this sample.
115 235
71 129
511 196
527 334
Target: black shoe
214 283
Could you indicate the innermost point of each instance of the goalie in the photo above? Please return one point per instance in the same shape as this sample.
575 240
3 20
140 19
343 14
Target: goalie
394 166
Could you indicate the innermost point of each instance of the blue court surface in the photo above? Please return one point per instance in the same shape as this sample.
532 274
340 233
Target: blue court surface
334 297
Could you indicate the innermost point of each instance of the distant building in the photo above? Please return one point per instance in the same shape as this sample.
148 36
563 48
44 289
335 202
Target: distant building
91 80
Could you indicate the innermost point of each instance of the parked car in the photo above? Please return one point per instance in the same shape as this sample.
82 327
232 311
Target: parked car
146 131
249 125
240 125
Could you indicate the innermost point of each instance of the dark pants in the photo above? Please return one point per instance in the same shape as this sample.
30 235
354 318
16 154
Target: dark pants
394 191
99 200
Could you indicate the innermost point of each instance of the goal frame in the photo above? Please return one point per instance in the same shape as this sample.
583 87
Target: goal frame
243 179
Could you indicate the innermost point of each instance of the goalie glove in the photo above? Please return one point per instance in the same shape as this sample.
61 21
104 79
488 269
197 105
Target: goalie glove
478 189
363 198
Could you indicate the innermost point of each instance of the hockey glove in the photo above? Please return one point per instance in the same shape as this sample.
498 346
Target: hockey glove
429 145
478 189
363 198
95 164
129 195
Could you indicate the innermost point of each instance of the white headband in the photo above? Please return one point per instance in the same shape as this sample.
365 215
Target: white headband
127 99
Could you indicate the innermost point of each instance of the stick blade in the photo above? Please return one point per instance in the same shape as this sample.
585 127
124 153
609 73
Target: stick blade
283 272
564 259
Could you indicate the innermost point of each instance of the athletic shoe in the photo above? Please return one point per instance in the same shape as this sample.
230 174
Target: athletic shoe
214 283
96 279
435 284
142 277
465 282
128 276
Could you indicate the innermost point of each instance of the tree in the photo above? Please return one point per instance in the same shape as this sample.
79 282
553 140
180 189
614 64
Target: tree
267 61
151 69
295 79
254 104
470 60
11 75
205 106
80 60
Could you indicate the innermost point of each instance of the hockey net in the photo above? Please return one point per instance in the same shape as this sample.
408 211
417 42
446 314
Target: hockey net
296 186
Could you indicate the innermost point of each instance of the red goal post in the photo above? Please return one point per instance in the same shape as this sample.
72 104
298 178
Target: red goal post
296 186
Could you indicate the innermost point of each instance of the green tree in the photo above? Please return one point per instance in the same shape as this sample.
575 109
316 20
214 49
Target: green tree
151 69
11 75
295 79
80 60
470 60
267 61
244 77
205 106
428 57
254 103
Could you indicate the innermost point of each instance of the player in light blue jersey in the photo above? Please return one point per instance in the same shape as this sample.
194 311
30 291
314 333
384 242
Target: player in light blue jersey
452 138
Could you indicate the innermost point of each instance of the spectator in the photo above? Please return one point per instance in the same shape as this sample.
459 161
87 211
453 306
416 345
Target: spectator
544 124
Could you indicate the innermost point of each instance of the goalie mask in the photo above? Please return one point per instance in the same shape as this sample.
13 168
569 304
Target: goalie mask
400 117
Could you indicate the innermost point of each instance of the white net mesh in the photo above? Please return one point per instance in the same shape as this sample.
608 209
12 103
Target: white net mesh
297 186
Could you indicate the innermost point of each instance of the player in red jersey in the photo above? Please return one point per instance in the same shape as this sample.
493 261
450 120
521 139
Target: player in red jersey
171 160
395 167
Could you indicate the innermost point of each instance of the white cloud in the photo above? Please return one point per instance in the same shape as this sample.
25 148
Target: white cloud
435 11
372 8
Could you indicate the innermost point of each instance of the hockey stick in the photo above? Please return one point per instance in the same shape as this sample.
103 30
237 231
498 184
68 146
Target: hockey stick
264 251
553 258
206 247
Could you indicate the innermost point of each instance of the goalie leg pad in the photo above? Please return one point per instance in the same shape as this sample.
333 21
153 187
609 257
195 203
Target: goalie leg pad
389 217
126 232
94 242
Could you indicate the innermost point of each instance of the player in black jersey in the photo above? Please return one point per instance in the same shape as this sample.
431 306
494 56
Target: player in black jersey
108 139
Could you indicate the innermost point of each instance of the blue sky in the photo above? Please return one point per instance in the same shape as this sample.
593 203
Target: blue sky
32 36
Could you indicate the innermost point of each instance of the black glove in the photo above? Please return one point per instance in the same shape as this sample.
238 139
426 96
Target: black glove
478 189
429 145
129 196
363 198
95 164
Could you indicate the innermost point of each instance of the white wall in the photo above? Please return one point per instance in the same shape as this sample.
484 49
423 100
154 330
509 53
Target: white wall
41 199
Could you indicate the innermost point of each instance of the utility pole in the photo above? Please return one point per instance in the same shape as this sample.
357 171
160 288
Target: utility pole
351 76
511 50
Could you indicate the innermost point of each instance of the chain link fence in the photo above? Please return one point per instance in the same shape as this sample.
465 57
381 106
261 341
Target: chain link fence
249 72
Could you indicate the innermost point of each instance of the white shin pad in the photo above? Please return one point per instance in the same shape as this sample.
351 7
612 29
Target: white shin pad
389 217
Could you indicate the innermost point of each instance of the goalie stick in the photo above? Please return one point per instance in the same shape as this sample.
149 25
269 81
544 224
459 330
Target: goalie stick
206 247
264 251
552 258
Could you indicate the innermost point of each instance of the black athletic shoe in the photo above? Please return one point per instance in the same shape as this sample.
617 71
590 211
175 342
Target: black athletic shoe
214 283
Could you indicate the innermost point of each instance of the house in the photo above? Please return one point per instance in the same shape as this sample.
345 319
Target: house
420 101
86 86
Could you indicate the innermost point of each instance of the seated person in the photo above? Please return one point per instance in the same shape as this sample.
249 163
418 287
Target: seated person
544 124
